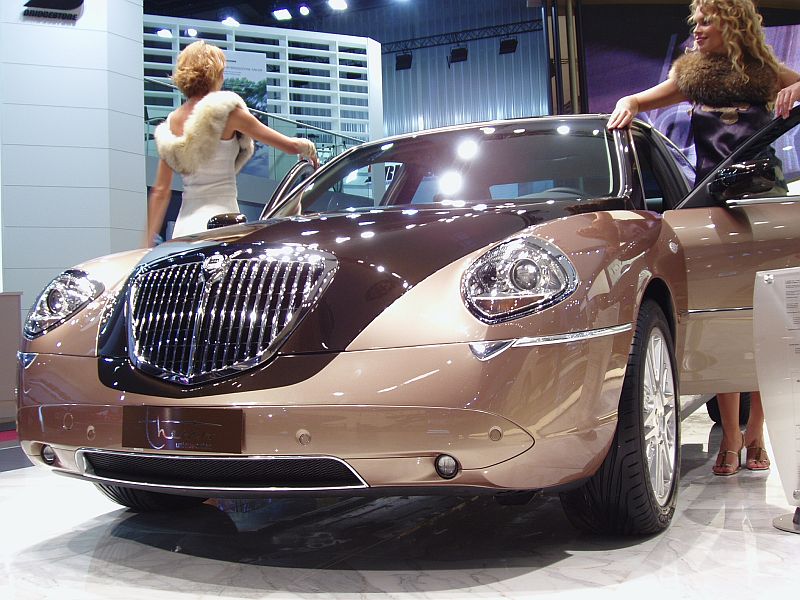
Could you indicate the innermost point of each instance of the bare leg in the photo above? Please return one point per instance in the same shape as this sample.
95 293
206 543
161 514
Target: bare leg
757 459
731 445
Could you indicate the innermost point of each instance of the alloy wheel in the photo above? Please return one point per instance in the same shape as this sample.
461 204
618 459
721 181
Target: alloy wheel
660 416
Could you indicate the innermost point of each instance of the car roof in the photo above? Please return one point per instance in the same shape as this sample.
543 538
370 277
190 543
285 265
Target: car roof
495 123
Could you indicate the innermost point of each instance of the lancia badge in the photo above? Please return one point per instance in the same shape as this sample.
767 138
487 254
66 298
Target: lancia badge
214 267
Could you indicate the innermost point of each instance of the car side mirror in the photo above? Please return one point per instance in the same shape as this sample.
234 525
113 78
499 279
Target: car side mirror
746 179
226 219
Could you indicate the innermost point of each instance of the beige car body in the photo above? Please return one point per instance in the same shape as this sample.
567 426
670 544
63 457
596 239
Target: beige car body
541 413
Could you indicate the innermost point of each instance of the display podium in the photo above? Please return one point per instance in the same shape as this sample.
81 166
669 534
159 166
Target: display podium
776 332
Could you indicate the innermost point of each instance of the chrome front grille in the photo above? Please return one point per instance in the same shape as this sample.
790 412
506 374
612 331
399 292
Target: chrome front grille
209 316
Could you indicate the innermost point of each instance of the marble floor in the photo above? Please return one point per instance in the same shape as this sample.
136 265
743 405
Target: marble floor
61 539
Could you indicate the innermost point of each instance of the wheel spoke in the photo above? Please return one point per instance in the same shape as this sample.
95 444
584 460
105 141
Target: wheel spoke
651 376
651 426
659 487
658 415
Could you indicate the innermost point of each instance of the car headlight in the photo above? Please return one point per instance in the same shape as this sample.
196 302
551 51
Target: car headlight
516 278
62 298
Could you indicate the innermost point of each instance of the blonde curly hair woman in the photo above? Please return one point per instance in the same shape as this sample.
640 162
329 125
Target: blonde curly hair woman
208 139
732 78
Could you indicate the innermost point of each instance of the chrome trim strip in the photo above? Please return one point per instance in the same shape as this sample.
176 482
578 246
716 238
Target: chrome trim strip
754 201
82 463
578 336
699 311
484 351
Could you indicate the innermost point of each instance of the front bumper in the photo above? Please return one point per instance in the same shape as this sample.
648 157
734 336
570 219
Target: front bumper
529 418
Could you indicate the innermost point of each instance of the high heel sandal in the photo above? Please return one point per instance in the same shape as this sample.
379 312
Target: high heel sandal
756 458
726 469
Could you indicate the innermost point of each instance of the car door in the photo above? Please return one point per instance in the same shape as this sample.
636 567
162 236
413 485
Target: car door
743 218
296 175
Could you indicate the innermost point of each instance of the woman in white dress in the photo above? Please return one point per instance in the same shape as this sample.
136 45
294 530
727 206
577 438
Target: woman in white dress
207 140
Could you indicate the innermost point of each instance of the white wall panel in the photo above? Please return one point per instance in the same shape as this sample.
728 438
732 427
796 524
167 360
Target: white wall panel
125 214
125 132
33 125
54 166
54 86
119 47
63 47
125 19
124 93
125 171
72 159
35 206
121 240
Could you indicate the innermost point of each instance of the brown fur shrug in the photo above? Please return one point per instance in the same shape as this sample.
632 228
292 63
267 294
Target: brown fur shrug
712 80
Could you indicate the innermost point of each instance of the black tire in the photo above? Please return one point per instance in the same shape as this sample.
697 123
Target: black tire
712 406
619 499
144 501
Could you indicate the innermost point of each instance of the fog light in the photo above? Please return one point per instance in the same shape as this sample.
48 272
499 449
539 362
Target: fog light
446 466
48 455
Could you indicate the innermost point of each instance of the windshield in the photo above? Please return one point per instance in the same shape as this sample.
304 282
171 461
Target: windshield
531 162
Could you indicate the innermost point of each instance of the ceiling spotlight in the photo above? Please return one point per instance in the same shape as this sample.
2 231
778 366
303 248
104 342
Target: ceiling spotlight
230 22
458 54
304 10
508 46
164 33
191 32
282 14
338 4
403 61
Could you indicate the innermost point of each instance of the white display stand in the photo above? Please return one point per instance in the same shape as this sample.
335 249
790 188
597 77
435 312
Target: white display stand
776 332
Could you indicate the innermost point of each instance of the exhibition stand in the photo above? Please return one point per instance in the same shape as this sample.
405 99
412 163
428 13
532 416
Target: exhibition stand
776 330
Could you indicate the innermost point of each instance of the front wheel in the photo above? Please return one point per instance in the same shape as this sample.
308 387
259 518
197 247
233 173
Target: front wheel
144 501
635 489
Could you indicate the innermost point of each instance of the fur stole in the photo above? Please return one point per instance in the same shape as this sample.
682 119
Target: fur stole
711 79
201 133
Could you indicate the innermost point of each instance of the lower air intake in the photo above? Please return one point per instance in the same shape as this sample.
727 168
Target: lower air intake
218 472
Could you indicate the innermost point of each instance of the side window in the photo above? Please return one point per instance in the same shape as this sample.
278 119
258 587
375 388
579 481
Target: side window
684 166
511 191
665 172
362 187
427 190
652 189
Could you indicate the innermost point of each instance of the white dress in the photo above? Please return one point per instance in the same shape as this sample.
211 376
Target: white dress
209 191
207 163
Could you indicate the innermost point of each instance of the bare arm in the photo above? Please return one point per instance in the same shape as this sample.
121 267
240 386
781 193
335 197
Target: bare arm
241 120
158 201
790 91
665 93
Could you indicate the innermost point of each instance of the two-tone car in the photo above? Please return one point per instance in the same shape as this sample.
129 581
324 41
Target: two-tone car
493 308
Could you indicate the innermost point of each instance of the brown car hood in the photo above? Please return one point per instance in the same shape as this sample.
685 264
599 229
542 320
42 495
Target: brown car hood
382 254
